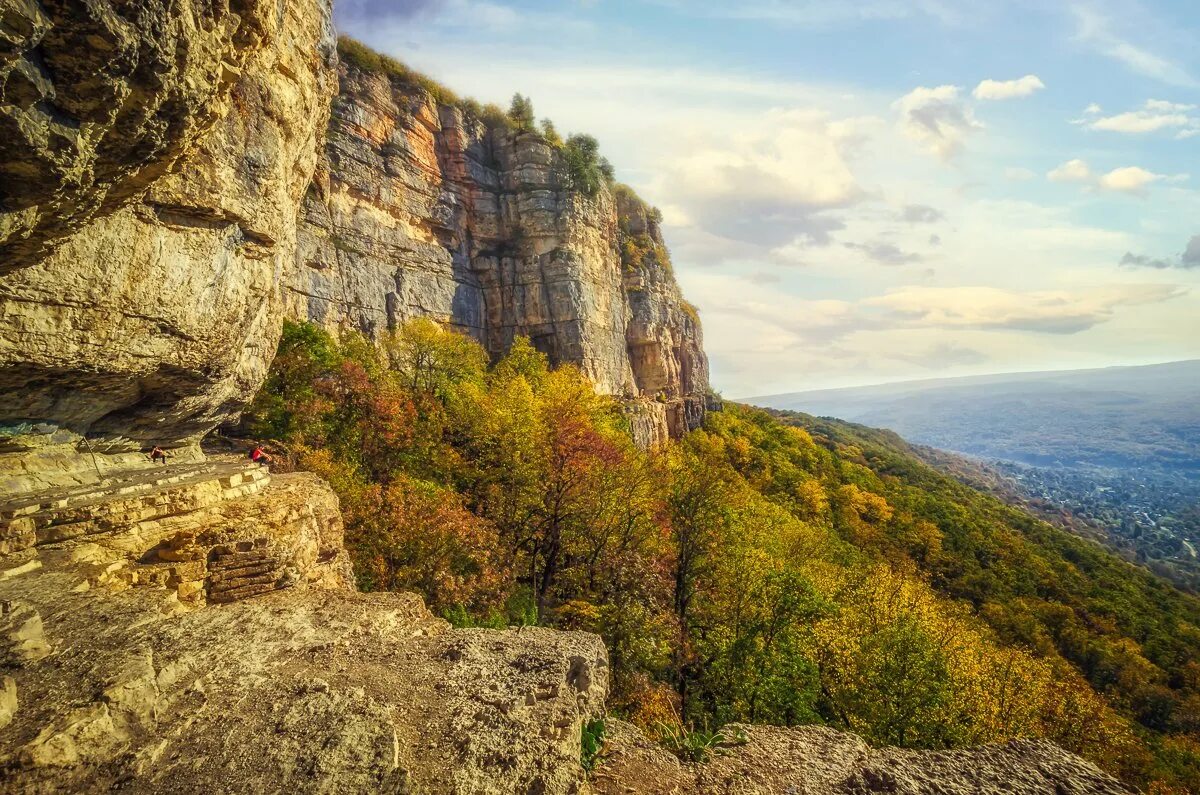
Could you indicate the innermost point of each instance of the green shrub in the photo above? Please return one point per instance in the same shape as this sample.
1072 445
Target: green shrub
695 745
362 57
550 134
591 743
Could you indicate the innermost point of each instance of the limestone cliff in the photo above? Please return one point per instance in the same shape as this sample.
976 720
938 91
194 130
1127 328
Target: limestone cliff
419 209
153 159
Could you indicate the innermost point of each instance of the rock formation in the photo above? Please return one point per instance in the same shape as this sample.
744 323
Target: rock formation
153 159
419 209
114 673
814 760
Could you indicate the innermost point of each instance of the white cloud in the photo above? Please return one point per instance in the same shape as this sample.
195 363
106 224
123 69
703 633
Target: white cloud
1092 109
992 308
1155 115
1071 171
1008 89
1129 179
936 119
772 186
1168 107
1019 174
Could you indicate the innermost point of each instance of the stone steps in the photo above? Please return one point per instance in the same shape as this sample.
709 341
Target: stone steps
124 499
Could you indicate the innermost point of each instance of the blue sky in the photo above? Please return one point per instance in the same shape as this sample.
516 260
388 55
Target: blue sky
877 190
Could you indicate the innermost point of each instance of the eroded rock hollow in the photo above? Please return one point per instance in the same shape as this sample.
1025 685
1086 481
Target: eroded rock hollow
152 159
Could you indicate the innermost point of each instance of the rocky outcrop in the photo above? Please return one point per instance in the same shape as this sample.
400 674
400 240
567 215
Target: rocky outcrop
766 760
153 159
419 209
341 693
221 647
96 104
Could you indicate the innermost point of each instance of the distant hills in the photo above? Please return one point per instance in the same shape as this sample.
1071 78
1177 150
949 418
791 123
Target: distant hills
1111 453
1112 417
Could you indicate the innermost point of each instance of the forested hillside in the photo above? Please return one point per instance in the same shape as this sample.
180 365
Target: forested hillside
1115 449
775 569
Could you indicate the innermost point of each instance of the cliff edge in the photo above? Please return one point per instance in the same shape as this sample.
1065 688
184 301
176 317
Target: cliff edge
420 209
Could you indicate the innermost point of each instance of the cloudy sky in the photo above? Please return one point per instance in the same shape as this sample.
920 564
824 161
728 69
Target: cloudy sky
860 192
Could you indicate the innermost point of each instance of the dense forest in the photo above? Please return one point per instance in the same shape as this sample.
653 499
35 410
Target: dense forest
767 568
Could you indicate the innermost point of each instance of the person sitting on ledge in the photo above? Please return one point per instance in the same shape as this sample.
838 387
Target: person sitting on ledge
158 454
260 456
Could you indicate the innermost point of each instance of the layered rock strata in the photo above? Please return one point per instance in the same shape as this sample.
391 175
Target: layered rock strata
419 209
153 157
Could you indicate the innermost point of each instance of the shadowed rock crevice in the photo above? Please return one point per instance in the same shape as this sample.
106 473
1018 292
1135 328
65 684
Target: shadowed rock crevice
148 210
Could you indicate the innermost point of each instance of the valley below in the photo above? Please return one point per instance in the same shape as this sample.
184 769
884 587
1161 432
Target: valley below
1111 454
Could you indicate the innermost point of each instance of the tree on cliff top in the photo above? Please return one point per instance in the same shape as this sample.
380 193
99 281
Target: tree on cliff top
587 169
520 113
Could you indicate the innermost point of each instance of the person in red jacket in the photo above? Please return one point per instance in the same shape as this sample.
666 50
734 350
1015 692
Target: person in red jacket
260 456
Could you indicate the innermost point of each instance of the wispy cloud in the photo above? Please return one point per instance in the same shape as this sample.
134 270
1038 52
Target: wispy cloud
1188 260
1154 116
884 253
920 214
1098 31
1071 171
1133 180
994 309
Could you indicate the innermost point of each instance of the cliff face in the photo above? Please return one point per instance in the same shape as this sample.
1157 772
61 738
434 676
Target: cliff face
152 164
420 210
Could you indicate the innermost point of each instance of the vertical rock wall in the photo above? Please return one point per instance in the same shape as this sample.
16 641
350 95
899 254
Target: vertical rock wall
420 210
146 243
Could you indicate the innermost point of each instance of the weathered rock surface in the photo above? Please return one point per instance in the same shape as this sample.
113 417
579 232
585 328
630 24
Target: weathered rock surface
97 103
819 761
114 675
153 157
420 210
